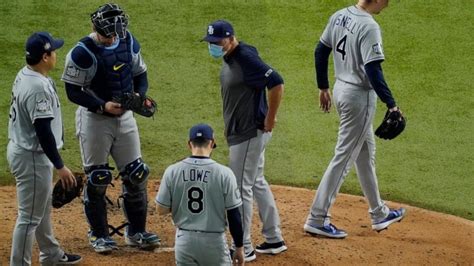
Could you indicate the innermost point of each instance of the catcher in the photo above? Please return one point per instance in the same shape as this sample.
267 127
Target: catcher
104 74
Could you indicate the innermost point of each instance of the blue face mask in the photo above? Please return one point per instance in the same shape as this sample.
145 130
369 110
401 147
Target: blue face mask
216 51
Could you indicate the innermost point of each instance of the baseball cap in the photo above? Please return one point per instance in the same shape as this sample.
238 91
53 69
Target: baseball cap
41 42
202 131
218 30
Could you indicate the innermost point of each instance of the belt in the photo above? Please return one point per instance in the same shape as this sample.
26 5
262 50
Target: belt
198 231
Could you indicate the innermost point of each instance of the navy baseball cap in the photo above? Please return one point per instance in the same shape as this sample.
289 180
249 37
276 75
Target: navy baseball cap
203 131
41 42
218 30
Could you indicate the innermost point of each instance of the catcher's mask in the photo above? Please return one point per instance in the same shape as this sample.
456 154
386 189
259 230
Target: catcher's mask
110 20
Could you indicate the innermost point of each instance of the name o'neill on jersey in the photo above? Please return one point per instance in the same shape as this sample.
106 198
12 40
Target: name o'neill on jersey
194 174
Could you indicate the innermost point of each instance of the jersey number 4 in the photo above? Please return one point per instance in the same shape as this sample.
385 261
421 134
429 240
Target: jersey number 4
195 196
341 47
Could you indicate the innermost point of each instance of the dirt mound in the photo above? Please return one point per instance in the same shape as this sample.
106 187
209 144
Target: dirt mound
424 237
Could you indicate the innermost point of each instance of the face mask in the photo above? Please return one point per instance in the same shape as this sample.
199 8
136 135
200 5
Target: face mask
216 51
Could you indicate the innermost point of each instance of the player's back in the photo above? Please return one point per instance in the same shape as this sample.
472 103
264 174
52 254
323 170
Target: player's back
198 188
355 38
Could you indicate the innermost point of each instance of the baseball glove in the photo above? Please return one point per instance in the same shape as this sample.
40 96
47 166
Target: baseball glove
142 105
61 196
392 125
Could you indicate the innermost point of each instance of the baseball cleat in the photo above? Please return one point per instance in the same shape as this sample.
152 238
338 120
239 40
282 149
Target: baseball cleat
145 240
110 242
393 216
248 257
271 248
100 245
329 230
68 259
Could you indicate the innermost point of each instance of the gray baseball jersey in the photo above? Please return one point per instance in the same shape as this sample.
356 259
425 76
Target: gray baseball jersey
33 97
356 40
76 75
199 191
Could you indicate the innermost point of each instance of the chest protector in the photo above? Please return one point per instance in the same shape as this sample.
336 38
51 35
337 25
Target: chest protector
114 68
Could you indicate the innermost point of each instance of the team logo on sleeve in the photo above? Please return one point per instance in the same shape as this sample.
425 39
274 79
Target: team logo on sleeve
377 48
72 71
268 73
42 105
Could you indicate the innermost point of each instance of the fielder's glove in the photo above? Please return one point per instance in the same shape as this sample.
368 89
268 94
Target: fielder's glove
142 105
61 196
392 125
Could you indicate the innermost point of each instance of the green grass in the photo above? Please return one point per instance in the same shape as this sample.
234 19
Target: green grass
428 66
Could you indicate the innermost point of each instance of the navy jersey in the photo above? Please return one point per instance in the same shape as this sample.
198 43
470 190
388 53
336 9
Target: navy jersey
244 78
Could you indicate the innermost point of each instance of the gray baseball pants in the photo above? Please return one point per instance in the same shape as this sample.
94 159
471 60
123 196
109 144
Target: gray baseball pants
355 145
201 248
33 173
101 136
247 162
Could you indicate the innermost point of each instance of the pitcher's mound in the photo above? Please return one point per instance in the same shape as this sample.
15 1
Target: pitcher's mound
423 237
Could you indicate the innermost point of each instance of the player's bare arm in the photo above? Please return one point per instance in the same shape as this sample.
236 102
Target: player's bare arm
274 99
238 258
325 100
68 181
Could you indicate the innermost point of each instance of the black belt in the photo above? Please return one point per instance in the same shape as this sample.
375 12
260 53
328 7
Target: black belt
198 231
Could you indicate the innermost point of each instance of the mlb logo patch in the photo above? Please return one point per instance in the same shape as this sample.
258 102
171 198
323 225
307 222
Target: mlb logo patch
72 71
42 105
377 48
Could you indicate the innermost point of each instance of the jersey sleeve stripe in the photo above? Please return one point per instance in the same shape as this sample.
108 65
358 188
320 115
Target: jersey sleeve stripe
162 204
325 43
234 206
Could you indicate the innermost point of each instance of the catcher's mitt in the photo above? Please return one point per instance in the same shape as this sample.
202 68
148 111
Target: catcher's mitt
392 125
142 105
61 196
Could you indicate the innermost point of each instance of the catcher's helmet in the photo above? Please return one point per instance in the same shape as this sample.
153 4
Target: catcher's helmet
110 20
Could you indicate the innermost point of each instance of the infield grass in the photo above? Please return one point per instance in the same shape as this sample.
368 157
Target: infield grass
428 66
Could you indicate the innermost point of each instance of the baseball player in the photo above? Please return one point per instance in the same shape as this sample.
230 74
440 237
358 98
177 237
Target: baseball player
249 119
356 39
35 133
199 192
105 64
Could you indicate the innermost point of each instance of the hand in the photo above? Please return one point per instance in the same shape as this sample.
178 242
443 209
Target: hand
238 258
113 108
269 124
324 100
394 109
68 180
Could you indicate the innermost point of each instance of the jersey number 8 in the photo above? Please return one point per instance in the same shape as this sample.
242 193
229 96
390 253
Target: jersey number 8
195 196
